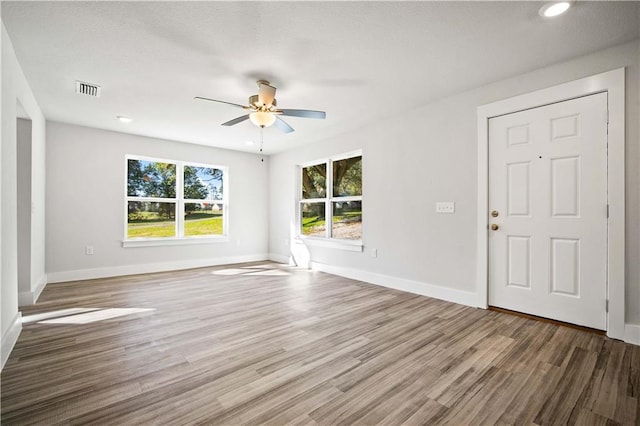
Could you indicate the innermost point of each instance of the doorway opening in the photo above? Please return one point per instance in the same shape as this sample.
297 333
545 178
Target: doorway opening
23 204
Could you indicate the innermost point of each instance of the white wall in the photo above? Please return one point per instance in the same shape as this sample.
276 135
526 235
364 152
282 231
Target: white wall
24 209
15 88
85 205
428 155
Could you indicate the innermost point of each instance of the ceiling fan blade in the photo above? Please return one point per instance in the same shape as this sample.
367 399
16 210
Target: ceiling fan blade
304 113
266 94
236 120
222 102
282 125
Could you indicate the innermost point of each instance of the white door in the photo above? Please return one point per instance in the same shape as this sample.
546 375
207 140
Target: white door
548 187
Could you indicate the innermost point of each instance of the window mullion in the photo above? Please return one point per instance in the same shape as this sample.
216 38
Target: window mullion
180 200
347 198
328 212
151 199
313 200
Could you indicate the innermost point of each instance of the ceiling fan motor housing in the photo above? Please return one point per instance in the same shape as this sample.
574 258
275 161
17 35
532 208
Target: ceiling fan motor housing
254 102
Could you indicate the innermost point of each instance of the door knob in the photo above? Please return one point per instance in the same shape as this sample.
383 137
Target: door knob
494 227
494 213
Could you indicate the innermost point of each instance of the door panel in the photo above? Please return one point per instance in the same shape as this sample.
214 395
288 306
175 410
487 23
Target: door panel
565 187
565 266
519 261
519 189
548 182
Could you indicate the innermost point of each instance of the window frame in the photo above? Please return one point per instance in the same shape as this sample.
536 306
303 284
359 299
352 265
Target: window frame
328 240
179 201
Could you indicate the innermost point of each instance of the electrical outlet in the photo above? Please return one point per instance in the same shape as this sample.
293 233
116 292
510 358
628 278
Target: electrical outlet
88 250
445 207
374 252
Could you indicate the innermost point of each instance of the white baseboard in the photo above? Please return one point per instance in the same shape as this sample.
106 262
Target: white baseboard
280 258
632 334
9 338
26 298
116 271
42 283
438 292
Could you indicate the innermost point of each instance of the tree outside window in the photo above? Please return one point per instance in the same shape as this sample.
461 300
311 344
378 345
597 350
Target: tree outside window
332 190
171 199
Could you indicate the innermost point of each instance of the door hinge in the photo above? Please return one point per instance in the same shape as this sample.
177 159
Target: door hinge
607 211
606 305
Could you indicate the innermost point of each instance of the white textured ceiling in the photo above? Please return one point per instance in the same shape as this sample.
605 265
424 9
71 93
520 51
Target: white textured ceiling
358 61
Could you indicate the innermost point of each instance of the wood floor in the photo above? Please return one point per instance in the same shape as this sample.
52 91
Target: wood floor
265 344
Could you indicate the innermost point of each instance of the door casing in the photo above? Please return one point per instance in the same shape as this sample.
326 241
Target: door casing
613 83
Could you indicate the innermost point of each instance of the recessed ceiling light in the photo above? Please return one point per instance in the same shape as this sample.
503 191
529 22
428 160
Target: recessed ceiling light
554 8
250 143
125 119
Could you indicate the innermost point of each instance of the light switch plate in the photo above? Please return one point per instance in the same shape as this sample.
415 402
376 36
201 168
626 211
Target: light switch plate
445 207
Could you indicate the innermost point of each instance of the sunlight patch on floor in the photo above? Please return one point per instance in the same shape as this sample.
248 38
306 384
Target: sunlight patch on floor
55 314
267 270
82 315
272 273
229 272
267 266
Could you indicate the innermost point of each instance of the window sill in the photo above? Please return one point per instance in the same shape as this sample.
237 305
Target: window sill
155 242
330 243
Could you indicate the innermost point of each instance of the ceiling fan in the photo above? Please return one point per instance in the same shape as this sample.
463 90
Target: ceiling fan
263 112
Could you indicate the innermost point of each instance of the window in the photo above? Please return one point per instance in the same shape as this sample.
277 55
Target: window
174 200
331 199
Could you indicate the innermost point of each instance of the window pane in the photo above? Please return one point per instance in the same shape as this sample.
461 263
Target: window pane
314 183
151 179
203 219
202 183
347 220
313 223
151 220
347 177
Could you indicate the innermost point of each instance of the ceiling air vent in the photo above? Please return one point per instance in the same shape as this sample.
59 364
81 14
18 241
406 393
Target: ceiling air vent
88 89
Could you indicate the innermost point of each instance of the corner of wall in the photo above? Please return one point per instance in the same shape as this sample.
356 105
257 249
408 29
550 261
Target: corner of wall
40 285
26 298
632 334
279 258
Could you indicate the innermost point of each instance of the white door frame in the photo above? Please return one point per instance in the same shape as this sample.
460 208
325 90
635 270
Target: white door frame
611 82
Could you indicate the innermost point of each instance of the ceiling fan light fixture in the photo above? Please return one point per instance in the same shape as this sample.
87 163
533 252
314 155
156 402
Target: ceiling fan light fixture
555 8
263 111
262 118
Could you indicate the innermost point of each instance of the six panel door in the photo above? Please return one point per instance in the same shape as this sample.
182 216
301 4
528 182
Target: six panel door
548 185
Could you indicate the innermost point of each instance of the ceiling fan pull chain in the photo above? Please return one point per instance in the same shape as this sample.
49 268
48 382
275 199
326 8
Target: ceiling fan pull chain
261 143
